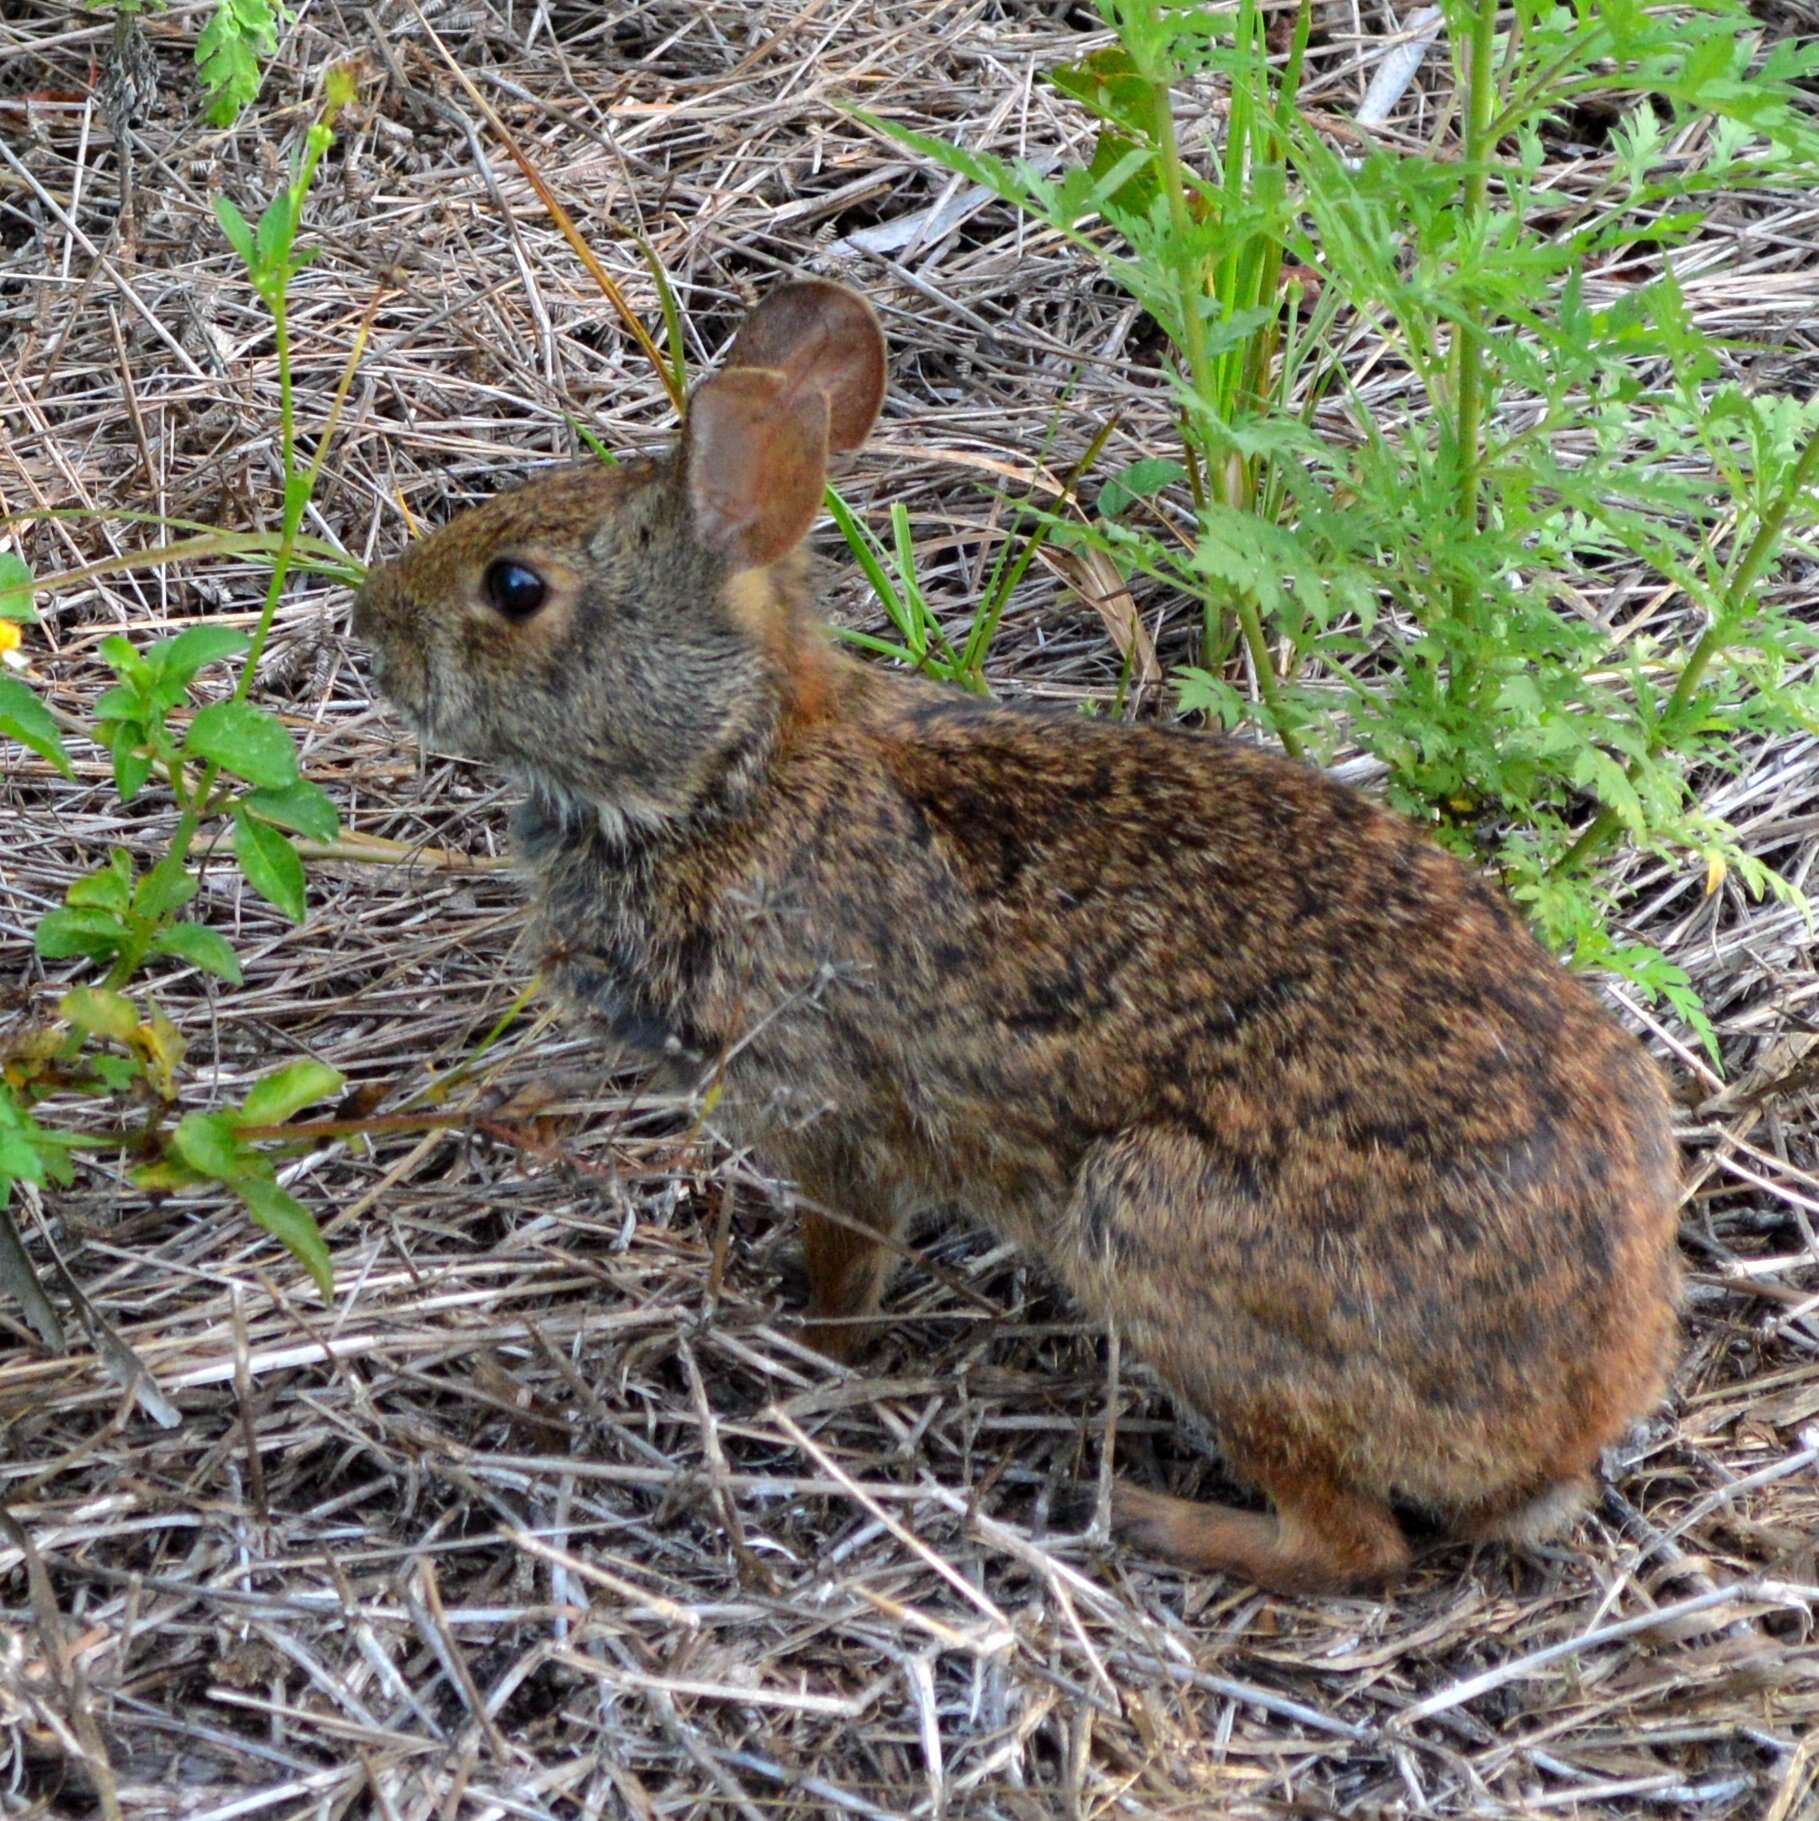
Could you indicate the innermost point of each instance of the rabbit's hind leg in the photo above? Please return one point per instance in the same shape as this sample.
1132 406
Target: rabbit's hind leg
1320 1539
1162 1241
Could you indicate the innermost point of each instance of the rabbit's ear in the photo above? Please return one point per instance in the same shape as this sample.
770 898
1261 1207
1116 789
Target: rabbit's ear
755 461
805 375
823 337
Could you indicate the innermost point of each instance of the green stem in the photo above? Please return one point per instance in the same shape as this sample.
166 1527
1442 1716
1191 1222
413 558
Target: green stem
297 488
1261 354
1193 332
295 499
190 823
1262 663
1468 345
1168 155
297 491
1743 579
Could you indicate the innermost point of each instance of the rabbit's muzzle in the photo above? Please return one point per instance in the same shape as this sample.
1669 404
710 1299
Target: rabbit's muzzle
396 661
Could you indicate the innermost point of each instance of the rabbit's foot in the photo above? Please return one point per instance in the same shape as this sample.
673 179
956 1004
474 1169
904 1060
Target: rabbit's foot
1320 1539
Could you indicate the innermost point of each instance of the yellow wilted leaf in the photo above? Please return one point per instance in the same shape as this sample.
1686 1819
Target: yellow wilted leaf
161 1046
29 1054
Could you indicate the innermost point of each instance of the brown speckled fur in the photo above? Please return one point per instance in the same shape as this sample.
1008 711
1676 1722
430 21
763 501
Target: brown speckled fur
1267 1080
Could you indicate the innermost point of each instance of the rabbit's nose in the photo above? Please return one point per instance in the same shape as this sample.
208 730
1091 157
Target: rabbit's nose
380 606
363 610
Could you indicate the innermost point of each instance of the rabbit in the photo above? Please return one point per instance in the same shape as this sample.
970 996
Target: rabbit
1267 1080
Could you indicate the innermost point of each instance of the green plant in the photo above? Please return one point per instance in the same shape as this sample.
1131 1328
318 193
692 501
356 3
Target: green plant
231 54
924 645
239 39
1426 553
892 573
226 764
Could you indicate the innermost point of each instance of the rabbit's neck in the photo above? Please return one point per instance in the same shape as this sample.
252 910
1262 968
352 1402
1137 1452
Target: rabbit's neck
794 648
554 819
600 911
795 682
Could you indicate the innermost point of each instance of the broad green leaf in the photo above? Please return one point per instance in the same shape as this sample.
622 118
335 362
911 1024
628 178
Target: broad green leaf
117 1073
207 1142
233 223
132 763
166 888
63 933
274 232
109 889
166 1177
19 1161
120 702
164 695
292 1225
1137 482
1124 175
270 863
244 740
1109 84
302 806
230 74
15 588
273 1098
120 657
25 719
180 658
105 1013
201 947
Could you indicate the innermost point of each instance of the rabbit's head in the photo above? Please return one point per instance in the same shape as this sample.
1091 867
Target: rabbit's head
616 636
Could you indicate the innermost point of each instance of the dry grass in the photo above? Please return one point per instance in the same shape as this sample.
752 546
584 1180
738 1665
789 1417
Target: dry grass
550 1514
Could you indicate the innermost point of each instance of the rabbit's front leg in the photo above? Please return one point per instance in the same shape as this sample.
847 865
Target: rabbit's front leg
848 1252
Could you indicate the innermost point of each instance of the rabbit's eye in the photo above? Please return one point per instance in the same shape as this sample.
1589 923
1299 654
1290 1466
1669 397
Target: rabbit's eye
514 588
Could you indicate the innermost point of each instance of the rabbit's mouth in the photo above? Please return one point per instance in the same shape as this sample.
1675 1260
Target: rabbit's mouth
407 687
416 707
404 684
437 716
388 683
398 672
